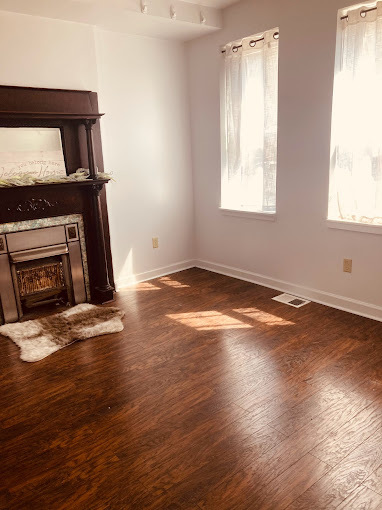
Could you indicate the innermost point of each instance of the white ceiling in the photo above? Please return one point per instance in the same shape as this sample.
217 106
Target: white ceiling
218 4
126 15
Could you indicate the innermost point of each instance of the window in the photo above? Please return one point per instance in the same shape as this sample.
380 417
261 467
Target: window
249 123
355 193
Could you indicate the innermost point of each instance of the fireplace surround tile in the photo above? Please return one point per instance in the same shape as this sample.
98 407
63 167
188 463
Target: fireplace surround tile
18 226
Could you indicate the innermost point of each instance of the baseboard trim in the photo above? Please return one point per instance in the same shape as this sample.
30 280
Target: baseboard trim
325 298
367 310
122 283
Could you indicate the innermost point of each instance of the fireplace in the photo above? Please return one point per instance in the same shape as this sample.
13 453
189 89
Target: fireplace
40 266
54 237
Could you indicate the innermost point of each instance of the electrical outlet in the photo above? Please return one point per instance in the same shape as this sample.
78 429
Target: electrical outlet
348 263
155 242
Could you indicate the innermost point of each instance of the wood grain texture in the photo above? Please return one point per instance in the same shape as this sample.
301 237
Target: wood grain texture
374 481
337 445
333 488
249 493
362 499
214 396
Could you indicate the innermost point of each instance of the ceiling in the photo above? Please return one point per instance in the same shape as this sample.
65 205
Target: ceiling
218 4
194 18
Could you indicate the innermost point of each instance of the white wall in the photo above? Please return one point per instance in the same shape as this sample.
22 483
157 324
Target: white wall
142 89
299 247
39 52
146 138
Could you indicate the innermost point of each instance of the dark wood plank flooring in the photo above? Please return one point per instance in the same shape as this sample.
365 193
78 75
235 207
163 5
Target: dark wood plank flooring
213 397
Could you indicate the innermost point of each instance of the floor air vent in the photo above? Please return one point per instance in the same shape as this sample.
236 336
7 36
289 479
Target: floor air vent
290 300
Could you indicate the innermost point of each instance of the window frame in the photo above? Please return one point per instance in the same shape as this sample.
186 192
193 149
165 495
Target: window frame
244 211
332 222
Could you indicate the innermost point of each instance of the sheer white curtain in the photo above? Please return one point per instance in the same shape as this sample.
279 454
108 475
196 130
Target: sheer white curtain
249 117
356 149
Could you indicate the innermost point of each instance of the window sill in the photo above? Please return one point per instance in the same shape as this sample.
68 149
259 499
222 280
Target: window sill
248 214
356 227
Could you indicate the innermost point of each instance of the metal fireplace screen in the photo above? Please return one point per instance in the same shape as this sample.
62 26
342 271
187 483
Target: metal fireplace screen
33 280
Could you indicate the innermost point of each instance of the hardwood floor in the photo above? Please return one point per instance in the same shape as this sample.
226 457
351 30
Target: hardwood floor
213 397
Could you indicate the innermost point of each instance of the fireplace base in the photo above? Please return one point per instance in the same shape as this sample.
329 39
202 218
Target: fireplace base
40 266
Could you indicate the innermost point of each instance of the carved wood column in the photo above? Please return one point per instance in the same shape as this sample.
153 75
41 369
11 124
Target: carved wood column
89 123
104 291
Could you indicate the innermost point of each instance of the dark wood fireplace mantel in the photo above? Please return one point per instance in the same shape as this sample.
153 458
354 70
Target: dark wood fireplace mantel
49 115
76 114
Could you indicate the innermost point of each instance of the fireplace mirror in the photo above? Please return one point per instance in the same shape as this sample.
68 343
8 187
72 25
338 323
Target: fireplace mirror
36 151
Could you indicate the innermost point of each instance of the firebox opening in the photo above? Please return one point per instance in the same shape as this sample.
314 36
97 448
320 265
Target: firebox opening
41 282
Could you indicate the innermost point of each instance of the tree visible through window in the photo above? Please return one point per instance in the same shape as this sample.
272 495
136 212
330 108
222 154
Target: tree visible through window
249 121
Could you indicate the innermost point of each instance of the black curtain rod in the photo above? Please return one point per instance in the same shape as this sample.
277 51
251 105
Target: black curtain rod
364 11
252 43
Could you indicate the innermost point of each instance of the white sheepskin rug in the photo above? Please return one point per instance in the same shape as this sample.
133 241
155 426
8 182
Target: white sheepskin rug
40 337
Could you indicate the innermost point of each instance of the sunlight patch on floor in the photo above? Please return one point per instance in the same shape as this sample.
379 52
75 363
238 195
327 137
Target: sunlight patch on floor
145 286
208 320
166 280
264 317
